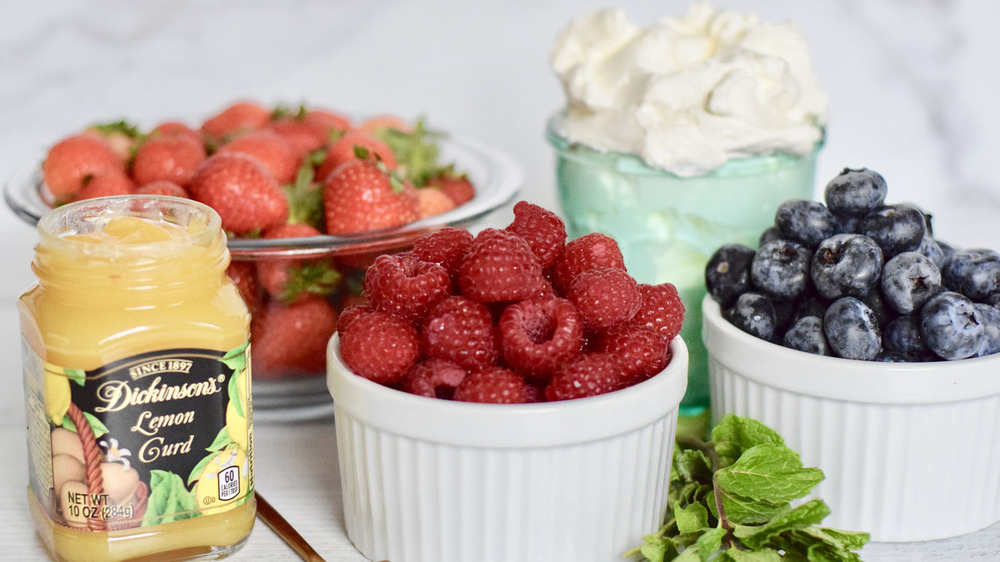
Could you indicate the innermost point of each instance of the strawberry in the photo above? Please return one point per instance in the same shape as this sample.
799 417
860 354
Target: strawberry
74 160
120 136
432 201
458 187
378 122
239 117
415 150
244 194
244 275
172 158
363 195
106 185
291 339
344 150
302 135
176 128
292 280
270 150
163 187
329 122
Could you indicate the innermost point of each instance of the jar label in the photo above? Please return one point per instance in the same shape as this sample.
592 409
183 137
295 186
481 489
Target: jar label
149 439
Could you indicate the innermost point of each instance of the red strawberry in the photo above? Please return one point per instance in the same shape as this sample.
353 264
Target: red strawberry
239 117
432 201
433 378
458 187
404 286
120 136
244 275
163 187
379 347
244 194
290 340
661 310
74 160
641 353
500 266
495 385
270 150
606 298
589 374
292 280
539 335
176 129
585 253
302 137
361 195
345 150
460 330
327 121
106 185
172 158
385 122
541 229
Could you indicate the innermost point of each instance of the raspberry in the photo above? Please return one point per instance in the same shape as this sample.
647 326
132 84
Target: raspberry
433 378
405 286
460 329
494 385
641 353
500 266
380 347
447 247
605 297
541 229
349 314
589 375
661 310
539 335
588 252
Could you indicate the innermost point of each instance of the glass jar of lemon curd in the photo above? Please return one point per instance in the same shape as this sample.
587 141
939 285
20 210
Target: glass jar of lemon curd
135 354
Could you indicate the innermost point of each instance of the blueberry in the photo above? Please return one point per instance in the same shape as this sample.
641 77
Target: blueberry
809 306
947 248
883 312
808 222
754 314
933 250
990 317
846 265
807 335
974 273
855 192
848 223
781 269
851 329
951 326
902 335
895 228
886 356
909 280
727 274
770 233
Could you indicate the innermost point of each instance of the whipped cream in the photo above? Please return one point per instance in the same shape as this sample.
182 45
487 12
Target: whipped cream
688 94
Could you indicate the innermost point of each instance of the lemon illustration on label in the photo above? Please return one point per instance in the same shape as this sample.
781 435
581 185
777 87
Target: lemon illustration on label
57 393
222 479
236 412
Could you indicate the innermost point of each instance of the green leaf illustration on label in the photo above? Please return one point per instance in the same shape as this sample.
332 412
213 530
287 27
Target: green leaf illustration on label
169 499
729 500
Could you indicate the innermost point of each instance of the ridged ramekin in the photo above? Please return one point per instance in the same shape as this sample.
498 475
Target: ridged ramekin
911 451
434 480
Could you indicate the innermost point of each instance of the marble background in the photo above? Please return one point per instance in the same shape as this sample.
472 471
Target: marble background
912 85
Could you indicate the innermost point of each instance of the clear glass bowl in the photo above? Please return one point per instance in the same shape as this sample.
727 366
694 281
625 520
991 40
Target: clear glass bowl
299 395
668 226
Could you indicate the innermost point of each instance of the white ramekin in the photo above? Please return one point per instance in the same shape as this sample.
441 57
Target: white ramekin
911 451
434 480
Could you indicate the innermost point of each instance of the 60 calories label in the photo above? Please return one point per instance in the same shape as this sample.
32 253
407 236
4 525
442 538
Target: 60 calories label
150 439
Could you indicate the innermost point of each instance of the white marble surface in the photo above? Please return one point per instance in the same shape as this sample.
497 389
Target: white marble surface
912 85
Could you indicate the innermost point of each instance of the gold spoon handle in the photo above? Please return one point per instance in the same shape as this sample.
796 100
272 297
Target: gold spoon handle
284 529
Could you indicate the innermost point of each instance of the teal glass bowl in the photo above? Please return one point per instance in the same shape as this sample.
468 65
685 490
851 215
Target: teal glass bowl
668 226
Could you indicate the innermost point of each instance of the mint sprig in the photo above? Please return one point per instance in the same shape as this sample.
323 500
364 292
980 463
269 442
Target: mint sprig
730 500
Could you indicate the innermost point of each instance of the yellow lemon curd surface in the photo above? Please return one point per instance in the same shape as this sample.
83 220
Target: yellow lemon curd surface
125 287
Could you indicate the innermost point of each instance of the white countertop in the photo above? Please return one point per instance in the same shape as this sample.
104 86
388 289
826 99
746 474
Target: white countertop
911 89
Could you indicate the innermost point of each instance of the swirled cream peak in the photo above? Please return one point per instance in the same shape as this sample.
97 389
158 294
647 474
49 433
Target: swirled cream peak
688 94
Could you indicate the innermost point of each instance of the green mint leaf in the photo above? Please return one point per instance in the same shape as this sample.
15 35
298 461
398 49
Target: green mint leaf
692 518
850 540
745 511
689 555
693 465
769 472
709 543
734 434
766 555
809 513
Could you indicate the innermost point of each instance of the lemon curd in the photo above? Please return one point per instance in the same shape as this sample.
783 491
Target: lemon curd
137 384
